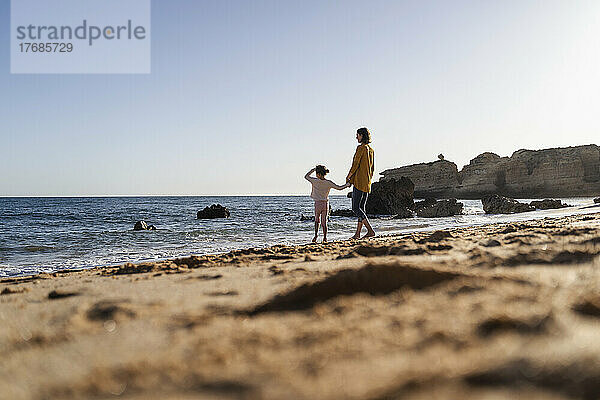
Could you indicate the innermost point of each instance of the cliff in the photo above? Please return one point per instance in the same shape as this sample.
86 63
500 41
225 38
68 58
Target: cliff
557 172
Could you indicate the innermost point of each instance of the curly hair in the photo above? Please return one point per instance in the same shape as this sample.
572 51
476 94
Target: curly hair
366 135
321 170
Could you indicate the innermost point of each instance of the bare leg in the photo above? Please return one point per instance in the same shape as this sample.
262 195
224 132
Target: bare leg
324 226
358 229
370 231
316 228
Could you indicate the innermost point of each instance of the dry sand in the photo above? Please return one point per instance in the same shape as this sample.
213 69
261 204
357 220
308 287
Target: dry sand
495 312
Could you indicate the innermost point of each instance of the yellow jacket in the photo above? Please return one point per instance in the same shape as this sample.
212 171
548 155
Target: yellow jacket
363 166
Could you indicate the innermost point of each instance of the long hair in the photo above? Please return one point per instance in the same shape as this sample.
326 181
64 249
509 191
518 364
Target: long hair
366 135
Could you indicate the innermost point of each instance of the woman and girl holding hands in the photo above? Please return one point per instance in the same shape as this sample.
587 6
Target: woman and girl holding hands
360 176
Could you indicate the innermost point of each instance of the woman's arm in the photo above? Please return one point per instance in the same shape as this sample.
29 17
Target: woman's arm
307 176
355 162
373 165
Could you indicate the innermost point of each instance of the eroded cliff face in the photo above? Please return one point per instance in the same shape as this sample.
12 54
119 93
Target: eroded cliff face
558 172
435 178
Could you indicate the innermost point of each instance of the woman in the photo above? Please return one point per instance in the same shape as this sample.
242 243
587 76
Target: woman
360 175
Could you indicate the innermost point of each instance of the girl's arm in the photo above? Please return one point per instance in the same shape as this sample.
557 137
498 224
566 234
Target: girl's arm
307 176
339 187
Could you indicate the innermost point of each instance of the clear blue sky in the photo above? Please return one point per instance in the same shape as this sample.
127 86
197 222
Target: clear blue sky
245 96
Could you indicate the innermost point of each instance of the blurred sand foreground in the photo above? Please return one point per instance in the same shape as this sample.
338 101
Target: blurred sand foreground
495 312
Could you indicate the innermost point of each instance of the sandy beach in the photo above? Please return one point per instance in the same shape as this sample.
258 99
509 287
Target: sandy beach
491 312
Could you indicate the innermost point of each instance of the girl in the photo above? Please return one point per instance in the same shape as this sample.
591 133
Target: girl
320 194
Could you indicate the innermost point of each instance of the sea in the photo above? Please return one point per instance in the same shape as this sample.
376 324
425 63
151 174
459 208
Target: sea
46 234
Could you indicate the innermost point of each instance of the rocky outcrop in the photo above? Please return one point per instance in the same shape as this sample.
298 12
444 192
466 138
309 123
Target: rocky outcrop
556 172
424 203
435 179
548 204
597 201
495 204
404 213
441 208
143 226
214 211
390 197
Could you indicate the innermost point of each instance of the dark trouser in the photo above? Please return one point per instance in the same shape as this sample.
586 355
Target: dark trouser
359 201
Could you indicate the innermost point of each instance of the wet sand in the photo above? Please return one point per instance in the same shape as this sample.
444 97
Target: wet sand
493 312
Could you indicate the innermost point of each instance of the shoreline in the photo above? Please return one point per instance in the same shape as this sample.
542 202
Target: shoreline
386 228
483 311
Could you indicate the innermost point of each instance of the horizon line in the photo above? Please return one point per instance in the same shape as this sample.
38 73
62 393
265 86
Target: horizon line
160 195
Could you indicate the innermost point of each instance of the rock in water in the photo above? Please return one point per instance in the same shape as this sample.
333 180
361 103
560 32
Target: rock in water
442 208
495 204
307 217
343 213
214 211
140 226
349 195
312 217
597 201
143 226
548 204
390 197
